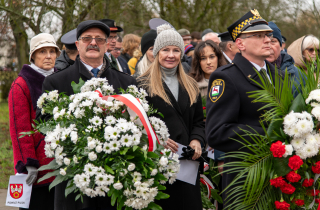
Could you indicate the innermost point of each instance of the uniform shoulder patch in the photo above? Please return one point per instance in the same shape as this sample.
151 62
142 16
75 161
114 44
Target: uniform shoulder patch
216 90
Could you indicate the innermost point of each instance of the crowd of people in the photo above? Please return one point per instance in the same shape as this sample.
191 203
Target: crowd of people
177 69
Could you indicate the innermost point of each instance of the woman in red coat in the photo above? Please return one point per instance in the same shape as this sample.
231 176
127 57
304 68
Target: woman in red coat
28 152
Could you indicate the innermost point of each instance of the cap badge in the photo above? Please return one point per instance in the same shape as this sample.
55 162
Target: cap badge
255 12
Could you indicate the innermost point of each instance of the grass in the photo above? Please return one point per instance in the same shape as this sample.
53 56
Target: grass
6 153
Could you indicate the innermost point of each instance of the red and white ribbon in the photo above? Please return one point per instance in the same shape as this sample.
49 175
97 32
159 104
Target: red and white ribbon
134 104
204 180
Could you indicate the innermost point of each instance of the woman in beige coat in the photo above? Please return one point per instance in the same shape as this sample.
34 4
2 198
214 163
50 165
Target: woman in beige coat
207 58
304 50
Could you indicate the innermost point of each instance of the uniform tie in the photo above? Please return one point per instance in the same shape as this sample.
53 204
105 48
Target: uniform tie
95 71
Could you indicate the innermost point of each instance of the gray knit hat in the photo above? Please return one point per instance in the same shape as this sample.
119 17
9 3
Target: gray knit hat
167 36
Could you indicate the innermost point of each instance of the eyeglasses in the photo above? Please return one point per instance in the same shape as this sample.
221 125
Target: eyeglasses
88 39
112 38
117 49
261 36
311 50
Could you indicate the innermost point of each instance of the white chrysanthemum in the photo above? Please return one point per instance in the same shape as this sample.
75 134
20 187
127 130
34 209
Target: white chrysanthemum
126 140
110 120
290 119
84 180
297 143
313 95
107 148
317 136
163 161
90 193
92 145
41 100
316 112
131 167
55 110
100 179
310 150
75 159
92 156
90 169
115 145
100 170
304 126
118 186
48 152
135 139
137 176
74 136
97 110
289 150
109 179
99 191
97 121
53 95
310 139
79 113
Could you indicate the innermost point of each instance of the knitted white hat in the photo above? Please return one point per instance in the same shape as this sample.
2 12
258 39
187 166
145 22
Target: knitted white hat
167 36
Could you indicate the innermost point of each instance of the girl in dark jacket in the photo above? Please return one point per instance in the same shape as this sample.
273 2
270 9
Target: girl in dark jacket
176 96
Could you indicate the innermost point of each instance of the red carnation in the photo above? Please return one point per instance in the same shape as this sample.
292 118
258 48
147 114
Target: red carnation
307 183
282 205
299 202
316 168
287 189
317 200
295 162
293 177
277 182
278 149
314 192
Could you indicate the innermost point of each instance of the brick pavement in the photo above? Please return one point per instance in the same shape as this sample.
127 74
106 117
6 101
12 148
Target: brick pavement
3 196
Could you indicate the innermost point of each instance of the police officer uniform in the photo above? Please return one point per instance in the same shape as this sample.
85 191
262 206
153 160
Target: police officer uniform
68 39
229 108
113 28
225 37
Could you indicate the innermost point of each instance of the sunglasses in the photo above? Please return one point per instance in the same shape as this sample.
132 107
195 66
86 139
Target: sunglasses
89 39
311 50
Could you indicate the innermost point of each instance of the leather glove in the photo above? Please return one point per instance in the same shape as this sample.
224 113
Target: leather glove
32 175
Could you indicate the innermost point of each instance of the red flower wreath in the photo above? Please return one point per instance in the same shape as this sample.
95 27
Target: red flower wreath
316 168
278 149
277 182
295 162
307 183
293 177
287 189
282 205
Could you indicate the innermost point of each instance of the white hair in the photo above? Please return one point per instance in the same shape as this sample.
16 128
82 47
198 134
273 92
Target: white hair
204 37
310 41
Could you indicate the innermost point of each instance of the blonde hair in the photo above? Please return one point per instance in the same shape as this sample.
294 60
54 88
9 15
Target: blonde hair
143 65
151 81
130 42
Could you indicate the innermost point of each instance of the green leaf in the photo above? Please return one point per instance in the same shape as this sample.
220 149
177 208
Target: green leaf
77 197
152 155
162 195
154 206
52 165
49 175
161 187
215 195
23 134
113 198
280 166
124 151
108 169
298 104
128 157
77 87
57 181
134 148
70 190
307 175
273 131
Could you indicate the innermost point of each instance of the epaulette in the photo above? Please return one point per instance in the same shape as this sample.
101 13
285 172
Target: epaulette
225 67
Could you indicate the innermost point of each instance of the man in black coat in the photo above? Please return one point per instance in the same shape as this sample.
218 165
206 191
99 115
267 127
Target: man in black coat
91 44
229 108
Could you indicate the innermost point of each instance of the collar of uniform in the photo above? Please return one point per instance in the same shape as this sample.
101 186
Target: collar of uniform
108 55
256 66
225 55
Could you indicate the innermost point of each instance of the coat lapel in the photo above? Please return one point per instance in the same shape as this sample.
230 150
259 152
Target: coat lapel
183 98
249 71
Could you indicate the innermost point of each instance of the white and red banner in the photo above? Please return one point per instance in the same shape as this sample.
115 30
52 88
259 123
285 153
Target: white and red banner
19 193
136 109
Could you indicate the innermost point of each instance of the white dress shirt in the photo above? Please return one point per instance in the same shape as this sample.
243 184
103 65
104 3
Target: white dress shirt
256 66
